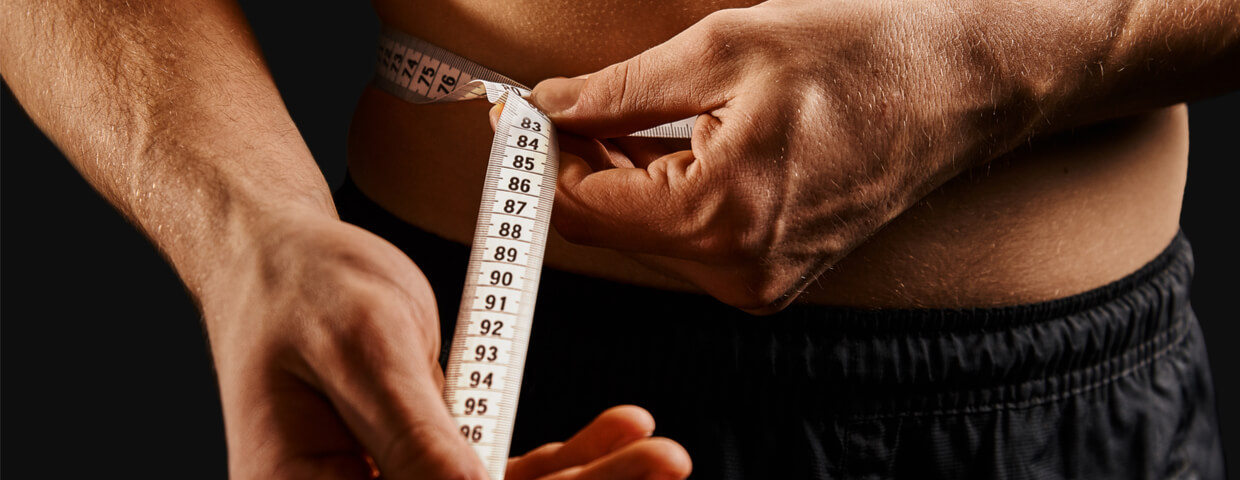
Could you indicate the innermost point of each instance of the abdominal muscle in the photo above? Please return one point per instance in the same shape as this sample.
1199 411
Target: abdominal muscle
1056 217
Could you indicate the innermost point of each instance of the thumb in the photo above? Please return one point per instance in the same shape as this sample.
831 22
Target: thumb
666 83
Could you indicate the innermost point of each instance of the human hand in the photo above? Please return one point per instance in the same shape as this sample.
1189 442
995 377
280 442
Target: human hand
325 339
817 123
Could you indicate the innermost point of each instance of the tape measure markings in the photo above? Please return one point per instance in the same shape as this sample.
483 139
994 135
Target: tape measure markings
487 355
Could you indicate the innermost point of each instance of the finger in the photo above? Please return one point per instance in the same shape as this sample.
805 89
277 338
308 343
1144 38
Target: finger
599 154
668 208
387 386
677 79
533 464
291 432
404 423
611 430
647 459
642 151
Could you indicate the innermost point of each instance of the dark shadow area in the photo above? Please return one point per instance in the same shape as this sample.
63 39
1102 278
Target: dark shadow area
106 368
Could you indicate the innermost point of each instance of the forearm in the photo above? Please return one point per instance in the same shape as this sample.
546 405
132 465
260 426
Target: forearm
1051 65
168 110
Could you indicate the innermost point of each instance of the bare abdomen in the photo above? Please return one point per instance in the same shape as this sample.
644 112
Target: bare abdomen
1059 216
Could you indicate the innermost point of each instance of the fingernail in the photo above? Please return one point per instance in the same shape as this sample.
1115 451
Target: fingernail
557 94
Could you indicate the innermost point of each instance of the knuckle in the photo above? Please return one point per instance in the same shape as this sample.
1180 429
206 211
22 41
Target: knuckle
628 75
608 90
721 26
716 37
625 91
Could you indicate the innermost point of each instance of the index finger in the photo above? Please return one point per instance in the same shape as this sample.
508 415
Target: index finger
671 207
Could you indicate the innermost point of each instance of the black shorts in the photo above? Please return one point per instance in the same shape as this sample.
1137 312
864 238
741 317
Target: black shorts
1111 383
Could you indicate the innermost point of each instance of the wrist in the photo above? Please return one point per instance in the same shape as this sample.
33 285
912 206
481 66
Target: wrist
295 271
244 255
211 229
253 234
994 80
1044 67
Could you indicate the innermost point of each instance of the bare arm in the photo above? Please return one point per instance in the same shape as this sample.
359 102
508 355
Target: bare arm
820 121
167 109
325 337
1052 65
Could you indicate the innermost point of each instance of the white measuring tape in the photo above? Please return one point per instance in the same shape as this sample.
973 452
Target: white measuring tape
487 356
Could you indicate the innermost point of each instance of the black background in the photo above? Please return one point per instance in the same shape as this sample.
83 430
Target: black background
106 370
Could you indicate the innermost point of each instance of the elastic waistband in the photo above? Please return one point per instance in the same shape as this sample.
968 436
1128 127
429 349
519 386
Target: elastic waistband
884 362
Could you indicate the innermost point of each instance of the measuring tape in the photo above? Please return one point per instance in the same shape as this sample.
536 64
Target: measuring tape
487 356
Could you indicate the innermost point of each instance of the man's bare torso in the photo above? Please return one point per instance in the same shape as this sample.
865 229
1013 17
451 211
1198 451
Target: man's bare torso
1059 216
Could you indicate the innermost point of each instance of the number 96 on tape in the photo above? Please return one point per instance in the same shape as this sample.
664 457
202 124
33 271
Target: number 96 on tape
479 433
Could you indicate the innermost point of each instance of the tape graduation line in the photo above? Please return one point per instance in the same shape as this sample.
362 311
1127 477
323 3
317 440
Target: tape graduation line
487 356
420 72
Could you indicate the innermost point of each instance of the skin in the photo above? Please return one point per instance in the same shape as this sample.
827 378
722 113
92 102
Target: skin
325 336
1018 154
796 160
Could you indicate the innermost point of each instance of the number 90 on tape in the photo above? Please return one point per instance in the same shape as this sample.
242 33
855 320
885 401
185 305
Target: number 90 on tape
487 355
